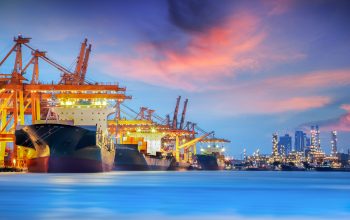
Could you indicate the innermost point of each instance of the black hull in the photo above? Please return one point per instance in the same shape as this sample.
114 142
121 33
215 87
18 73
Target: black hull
330 169
64 149
291 168
129 158
207 162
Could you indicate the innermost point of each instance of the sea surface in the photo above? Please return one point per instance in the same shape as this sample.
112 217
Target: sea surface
176 195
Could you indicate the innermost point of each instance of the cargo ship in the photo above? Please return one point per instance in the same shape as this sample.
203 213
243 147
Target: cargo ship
128 157
76 141
211 158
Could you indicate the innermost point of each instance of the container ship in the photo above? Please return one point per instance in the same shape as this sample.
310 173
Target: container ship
128 157
211 158
76 141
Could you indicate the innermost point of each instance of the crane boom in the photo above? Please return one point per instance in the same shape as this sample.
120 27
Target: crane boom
85 65
80 58
194 141
183 114
174 125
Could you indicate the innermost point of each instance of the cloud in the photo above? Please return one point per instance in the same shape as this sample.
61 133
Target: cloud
341 123
312 80
206 56
292 104
282 93
233 102
300 83
346 107
278 7
199 61
197 15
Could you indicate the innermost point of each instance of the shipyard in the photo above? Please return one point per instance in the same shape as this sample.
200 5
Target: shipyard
80 126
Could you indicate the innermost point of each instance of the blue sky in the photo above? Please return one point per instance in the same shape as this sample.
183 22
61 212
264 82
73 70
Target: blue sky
249 68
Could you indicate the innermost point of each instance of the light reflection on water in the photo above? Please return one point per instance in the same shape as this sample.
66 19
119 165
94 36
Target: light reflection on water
176 195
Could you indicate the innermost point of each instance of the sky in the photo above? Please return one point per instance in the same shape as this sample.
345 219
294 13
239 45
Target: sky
248 68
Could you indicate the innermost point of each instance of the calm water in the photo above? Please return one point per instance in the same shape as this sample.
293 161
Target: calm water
176 195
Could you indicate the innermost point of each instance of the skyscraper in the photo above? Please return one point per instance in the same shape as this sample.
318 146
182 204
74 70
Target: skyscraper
307 141
300 141
315 138
274 145
285 144
334 141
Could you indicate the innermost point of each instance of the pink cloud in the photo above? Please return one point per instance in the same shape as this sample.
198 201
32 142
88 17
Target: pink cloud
276 94
346 107
206 56
296 104
205 62
311 80
342 123
253 103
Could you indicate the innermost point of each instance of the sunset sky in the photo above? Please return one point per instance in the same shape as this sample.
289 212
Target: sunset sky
249 68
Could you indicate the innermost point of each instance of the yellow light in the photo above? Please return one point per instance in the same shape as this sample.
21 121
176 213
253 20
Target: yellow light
153 130
138 129
14 161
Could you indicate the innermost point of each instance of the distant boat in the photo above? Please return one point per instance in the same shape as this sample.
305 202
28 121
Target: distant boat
289 167
255 168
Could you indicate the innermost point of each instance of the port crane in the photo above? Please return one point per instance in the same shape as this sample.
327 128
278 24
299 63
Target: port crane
20 98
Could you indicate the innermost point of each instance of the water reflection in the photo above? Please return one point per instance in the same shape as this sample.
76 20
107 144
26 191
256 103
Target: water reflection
176 195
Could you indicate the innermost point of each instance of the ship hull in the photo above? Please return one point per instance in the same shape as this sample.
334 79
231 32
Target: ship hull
208 162
330 169
128 158
64 149
65 165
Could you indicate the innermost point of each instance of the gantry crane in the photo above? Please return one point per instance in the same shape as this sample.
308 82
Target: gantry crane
20 97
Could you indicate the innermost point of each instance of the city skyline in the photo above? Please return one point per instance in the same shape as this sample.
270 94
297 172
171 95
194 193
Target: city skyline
249 69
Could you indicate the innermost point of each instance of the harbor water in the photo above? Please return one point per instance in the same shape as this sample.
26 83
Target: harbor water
176 195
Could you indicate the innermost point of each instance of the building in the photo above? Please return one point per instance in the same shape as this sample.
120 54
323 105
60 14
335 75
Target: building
285 144
315 138
274 146
307 141
300 140
334 142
